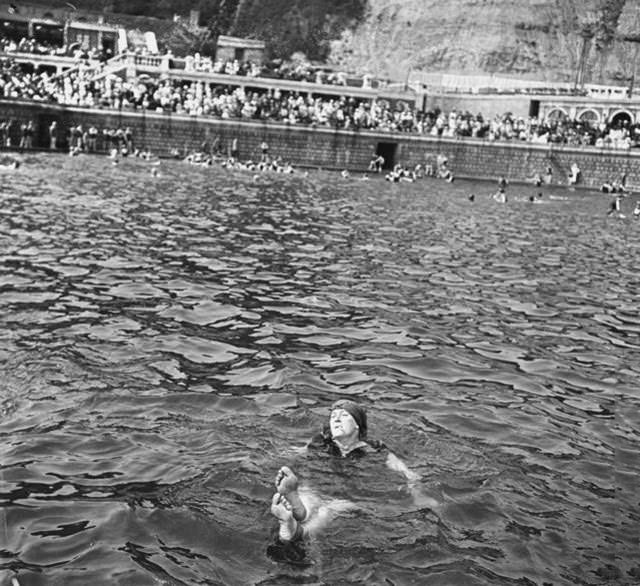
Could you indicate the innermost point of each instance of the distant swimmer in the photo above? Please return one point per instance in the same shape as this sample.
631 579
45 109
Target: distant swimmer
9 162
614 207
393 177
472 197
636 210
345 174
500 196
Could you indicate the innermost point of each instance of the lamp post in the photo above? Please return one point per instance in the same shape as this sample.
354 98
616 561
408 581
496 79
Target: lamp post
67 22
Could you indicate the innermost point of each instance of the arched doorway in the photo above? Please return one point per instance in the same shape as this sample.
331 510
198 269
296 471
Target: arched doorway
620 119
556 115
590 117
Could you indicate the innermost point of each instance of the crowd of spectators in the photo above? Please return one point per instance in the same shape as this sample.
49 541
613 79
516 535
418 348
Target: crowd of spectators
278 69
25 45
80 87
293 71
32 46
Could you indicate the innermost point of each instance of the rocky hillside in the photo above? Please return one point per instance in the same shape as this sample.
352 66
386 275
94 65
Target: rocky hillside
537 39
541 39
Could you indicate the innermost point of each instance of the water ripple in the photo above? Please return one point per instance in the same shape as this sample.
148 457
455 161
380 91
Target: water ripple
166 343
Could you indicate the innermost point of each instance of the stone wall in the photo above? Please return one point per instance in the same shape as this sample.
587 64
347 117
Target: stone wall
326 148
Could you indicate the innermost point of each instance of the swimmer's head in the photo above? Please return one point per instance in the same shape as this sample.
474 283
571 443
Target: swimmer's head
357 412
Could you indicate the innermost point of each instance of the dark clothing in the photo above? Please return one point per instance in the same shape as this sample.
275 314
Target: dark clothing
361 476
323 441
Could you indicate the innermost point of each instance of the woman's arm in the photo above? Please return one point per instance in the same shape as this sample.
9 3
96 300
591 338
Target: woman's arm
397 465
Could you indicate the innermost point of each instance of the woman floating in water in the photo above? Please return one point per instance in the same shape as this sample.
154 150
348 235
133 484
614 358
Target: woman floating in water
300 512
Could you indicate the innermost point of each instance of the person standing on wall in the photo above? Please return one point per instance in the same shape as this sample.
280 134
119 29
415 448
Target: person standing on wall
264 148
53 135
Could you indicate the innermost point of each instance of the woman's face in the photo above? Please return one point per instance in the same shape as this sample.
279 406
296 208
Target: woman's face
342 425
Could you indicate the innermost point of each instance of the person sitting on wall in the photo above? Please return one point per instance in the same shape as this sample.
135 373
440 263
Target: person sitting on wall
621 184
616 186
377 163
443 168
574 174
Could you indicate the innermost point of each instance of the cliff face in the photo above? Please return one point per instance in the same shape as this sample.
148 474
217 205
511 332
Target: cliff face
542 39
537 39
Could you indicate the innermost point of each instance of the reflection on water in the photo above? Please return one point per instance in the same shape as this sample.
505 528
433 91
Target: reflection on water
167 342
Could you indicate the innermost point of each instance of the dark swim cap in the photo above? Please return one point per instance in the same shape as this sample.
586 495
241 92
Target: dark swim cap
356 411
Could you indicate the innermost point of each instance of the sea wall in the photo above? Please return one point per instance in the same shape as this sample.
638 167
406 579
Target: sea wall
326 148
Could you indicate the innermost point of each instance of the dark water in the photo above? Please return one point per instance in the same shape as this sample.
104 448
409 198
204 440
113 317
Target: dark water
167 342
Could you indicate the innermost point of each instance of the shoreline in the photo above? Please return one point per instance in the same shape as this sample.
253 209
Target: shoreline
331 149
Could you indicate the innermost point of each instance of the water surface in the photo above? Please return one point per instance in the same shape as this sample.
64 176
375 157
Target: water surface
166 343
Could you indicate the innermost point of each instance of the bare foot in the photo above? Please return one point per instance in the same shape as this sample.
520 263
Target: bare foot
286 481
287 486
281 510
